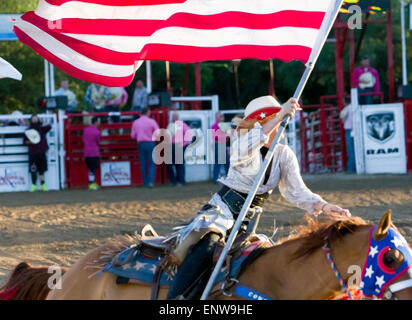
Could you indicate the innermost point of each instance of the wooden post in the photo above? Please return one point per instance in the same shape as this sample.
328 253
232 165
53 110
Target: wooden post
168 86
351 55
340 76
272 78
185 80
198 84
391 77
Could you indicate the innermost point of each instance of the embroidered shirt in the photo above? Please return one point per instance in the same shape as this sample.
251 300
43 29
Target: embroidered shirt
245 163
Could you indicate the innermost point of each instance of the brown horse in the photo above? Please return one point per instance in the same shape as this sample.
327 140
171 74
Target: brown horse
296 268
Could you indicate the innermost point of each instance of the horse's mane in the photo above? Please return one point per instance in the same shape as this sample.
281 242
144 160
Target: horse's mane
312 231
27 283
315 232
112 247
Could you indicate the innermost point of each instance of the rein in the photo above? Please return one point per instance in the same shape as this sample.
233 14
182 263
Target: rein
336 272
247 293
231 286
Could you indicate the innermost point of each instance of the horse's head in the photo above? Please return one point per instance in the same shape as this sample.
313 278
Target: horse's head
387 271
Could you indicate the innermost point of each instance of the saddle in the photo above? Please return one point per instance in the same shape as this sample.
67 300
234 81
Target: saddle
156 253
153 247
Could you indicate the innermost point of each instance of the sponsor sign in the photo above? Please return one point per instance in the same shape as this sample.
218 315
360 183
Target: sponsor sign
13 178
115 173
384 138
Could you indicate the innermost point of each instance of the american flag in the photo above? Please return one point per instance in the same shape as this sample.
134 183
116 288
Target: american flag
105 41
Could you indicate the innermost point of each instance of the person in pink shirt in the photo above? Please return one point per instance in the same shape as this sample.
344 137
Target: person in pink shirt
366 79
182 136
220 139
91 140
143 130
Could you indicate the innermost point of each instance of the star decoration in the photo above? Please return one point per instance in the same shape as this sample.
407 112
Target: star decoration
361 285
397 242
126 266
380 281
369 272
153 268
139 265
374 250
263 115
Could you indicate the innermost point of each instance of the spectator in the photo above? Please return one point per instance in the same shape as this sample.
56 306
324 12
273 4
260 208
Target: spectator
143 130
96 97
65 91
175 159
91 140
116 102
35 139
139 101
366 79
220 139
346 116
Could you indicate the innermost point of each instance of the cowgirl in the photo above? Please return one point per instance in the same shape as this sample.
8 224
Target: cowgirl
252 140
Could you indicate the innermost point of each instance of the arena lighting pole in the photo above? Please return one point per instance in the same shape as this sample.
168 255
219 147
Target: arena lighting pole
323 34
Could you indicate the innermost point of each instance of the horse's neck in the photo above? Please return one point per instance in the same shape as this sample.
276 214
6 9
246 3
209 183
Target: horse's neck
277 275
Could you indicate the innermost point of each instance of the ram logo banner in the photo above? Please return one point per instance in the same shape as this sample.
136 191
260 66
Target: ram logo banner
115 174
381 126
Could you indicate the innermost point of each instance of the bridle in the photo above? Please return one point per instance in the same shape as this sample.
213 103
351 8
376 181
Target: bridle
398 286
250 294
390 290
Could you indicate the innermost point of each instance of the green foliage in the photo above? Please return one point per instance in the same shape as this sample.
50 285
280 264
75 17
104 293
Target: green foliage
17 6
218 77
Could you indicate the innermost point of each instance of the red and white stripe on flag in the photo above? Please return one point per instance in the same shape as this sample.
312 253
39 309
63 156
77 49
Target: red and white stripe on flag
105 41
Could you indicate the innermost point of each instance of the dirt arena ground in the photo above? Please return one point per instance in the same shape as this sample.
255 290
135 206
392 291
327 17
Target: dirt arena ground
57 228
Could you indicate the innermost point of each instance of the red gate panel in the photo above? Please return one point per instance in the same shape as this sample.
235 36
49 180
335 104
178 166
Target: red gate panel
322 139
115 145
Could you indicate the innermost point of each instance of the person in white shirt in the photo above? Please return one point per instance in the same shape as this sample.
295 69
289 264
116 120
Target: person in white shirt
65 91
252 140
139 101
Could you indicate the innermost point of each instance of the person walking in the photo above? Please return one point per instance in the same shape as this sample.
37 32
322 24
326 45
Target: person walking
182 136
144 131
91 140
35 139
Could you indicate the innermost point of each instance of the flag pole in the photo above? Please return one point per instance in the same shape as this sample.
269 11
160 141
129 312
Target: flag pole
323 34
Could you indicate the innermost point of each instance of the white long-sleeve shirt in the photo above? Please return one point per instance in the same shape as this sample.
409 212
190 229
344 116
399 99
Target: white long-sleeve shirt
246 161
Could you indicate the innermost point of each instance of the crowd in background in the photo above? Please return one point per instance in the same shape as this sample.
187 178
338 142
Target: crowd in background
99 98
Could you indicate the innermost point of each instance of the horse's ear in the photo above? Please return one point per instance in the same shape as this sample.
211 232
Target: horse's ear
384 224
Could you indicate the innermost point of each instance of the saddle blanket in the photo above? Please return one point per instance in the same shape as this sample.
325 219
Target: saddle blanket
142 269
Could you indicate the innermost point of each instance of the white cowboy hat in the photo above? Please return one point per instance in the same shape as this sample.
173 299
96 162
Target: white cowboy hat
33 135
262 107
